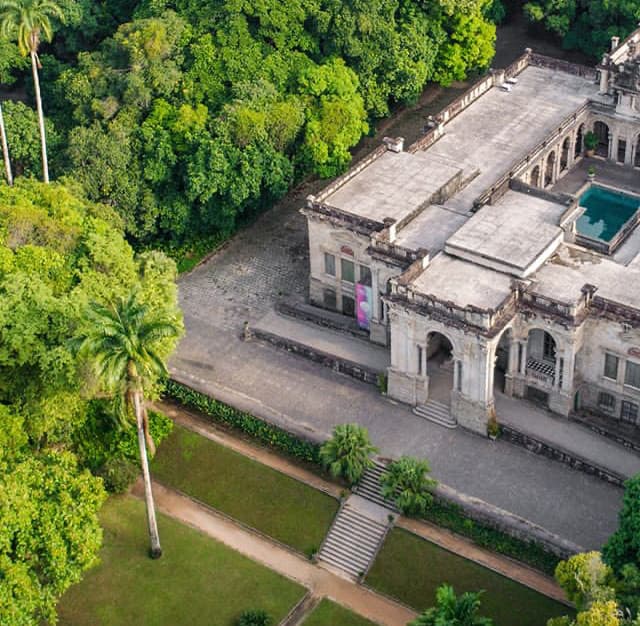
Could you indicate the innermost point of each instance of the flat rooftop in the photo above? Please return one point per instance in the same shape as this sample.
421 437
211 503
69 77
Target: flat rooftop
463 283
563 277
431 229
394 185
517 233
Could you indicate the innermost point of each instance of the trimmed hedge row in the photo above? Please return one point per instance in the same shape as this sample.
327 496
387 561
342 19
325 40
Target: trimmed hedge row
247 423
451 516
441 513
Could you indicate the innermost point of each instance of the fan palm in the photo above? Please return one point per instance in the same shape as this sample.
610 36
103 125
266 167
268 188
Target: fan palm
122 342
29 22
406 482
452 610
347 452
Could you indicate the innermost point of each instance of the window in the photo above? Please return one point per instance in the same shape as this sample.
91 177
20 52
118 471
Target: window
348 271
329 264
632 374
365 275
419 360
549 348
329 299
606 401
348 306
629 412
611 366
622 149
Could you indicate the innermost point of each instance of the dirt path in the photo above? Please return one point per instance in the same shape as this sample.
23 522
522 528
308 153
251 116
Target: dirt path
319 581
441 537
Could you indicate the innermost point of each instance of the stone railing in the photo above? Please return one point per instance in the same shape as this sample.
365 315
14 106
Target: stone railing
540 60
550 306
353 222
550 196
403 255
616 311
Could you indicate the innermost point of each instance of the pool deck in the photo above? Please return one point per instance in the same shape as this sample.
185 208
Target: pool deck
607 173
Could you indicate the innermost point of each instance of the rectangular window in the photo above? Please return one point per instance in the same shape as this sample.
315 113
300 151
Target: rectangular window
459 377
419 360
329 299
629 412
348 306
382 311
348 271
632 374
365 275
611 366
329 264
622 149
606 401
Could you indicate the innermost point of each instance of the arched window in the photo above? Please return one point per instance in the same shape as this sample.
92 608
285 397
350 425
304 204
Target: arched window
564 156
579 138
535 176
601 131
548 170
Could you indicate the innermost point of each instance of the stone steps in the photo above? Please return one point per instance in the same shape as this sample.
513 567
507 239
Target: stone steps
352 542
369 487
436 412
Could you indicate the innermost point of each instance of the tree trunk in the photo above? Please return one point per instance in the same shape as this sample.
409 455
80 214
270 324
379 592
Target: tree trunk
5 150
155 551
43 138
151 444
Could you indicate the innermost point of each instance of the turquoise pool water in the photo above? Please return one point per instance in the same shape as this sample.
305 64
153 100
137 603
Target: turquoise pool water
606 212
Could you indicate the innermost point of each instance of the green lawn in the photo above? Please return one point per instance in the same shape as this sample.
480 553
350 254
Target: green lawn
329 613
198 581
248 491
410 569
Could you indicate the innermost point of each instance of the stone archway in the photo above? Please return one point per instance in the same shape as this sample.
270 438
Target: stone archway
535 176
440 366
548 170
540 365
501 360
577 150
601 131
564 155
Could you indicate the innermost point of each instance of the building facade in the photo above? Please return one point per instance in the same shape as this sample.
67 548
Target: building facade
475 254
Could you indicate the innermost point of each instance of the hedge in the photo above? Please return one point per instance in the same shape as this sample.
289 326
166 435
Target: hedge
441 513
247 423
451 516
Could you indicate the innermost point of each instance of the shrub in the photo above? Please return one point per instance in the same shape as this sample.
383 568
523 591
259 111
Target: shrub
406 483
381 381
348 452
590 140
253 426
118 474
255 618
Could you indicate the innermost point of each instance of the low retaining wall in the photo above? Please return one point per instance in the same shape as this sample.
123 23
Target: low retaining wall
604 432
558 454
344 366
506 522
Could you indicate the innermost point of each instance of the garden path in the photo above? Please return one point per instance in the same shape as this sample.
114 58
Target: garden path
320 581
443 538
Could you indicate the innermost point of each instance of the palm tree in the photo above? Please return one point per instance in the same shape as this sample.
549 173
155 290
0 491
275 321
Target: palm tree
406 482
453 610
5 150
122 342
29 22
347 452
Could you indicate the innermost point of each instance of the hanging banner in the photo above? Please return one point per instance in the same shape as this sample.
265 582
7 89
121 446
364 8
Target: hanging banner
363 305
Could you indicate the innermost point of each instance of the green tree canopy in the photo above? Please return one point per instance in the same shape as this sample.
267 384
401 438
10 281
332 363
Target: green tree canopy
453 610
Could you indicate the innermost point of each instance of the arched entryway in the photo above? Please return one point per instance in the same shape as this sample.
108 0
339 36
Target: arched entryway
501 362
535 176
564 155
601 131
541 364
548 170
577 150
440 364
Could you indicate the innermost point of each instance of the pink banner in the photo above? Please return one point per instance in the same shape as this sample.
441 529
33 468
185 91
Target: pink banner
363 305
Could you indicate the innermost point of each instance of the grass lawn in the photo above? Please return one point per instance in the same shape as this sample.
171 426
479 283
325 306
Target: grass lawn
329 613
198 581
410 569
277 505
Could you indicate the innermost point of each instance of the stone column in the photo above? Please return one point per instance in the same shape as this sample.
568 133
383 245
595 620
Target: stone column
512 367
628 154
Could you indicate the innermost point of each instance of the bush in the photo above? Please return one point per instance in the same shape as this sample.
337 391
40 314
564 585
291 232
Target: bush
406 483
118 474
245 422
347 453
590 140
255 618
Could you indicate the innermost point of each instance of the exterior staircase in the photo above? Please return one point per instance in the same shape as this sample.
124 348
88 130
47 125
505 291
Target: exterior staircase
369 487
436 412
353 541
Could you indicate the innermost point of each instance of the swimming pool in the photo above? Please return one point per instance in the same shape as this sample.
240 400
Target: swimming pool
606 212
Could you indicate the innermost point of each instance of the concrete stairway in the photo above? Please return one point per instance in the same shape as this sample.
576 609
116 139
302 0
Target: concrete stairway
436 412
353 540
369 487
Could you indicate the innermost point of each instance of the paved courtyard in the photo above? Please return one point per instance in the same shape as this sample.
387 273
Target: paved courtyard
242 282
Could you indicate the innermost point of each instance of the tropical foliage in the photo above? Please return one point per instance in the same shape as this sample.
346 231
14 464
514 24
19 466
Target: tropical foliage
347 453
453 610
406 482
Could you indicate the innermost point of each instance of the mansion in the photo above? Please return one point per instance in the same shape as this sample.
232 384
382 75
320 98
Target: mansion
499 253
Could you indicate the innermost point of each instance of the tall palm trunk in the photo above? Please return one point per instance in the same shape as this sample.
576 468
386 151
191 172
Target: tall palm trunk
155 550
5 150
43 139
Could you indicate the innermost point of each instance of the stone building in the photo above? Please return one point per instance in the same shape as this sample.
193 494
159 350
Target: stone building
483 255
